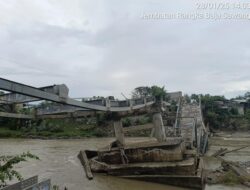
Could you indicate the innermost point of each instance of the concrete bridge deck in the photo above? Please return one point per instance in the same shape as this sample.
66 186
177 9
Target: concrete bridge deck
191 125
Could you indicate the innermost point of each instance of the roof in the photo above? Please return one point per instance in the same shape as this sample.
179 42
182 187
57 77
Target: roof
241 101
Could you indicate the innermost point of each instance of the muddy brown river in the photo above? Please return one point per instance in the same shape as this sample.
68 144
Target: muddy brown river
59 162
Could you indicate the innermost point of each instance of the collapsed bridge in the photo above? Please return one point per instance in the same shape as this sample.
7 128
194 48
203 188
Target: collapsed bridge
174 155
187 117
21 93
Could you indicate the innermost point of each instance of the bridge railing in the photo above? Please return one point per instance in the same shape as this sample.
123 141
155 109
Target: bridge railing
54 108
129 102
177 129
61 108
204 132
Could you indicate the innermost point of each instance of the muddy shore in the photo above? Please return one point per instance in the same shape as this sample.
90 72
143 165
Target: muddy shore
228 141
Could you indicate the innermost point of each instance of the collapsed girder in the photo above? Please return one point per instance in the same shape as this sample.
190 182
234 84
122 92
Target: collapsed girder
61 96
15 98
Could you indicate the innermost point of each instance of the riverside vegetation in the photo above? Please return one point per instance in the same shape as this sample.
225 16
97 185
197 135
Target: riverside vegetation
220 114
215 116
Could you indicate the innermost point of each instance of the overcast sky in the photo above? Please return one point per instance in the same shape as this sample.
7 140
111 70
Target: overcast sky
105 47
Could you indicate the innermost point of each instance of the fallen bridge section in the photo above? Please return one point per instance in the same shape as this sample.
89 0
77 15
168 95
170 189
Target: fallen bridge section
62 97
15 98
16 115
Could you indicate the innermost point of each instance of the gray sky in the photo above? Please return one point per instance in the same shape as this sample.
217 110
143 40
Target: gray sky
105 47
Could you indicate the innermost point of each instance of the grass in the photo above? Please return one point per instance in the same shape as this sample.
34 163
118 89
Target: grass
7 133
55 129
230 178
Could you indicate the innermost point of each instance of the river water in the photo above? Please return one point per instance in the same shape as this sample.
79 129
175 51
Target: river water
59 162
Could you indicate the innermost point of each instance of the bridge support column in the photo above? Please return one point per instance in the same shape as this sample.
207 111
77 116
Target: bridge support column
159 132
119 132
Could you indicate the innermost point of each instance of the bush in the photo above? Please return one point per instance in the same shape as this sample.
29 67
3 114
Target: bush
126 122
144 120
247 115
99 132
4 134
101 119
56 129
230 178
234 111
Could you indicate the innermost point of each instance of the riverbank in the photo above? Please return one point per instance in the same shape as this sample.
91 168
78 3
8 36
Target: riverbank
56 128
215 166
68 128
65 132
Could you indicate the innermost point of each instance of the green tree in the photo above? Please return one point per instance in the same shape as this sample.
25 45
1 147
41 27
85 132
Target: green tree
141 91
159 92
144 91
7 163
195 97
247 95
187 98
212 118
215 115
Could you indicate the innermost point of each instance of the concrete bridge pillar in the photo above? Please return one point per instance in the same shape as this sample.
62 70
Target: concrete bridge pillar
119 132
107 103
159 129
